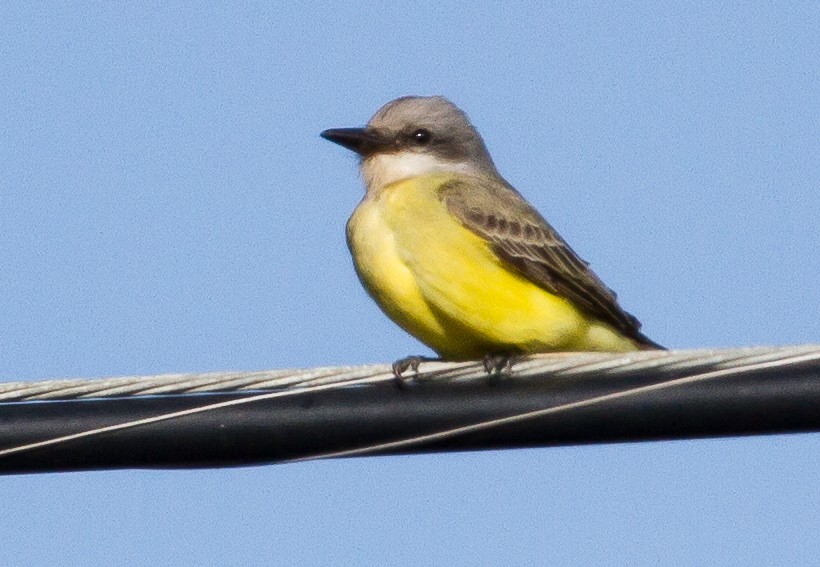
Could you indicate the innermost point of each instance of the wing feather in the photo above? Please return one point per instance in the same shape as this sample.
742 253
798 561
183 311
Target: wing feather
524 239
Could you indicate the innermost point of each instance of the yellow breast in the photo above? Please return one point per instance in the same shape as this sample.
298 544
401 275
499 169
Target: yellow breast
444 284
384 274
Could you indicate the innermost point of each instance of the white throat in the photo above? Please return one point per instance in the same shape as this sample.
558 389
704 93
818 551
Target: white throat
382 169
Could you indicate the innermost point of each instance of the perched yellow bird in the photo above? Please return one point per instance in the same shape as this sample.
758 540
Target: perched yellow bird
454 254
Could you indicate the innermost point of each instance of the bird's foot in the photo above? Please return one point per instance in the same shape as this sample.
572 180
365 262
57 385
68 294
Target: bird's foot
402 365
498 363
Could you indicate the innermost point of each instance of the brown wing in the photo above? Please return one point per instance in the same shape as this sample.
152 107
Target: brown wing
522 238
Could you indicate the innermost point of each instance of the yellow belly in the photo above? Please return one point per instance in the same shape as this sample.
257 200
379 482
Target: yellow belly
445 286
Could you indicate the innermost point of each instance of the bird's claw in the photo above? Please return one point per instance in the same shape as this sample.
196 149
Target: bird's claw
402 365
498 364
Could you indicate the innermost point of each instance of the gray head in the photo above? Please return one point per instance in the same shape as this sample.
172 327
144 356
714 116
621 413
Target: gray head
414 135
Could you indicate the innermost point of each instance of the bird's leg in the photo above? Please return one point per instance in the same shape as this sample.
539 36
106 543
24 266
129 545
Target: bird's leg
408 363
498 363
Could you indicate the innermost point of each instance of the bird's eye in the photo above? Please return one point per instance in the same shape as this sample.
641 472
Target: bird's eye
421 137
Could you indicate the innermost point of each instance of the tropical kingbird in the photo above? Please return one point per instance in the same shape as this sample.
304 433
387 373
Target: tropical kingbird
454 254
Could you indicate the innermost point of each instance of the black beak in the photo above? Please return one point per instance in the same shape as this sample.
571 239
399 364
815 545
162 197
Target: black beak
360 140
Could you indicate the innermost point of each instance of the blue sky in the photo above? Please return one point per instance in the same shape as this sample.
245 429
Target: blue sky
166 205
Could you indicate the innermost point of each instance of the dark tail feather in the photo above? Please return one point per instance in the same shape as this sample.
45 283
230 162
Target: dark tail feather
645 343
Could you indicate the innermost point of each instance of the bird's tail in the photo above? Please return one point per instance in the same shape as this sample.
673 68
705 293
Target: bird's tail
645 343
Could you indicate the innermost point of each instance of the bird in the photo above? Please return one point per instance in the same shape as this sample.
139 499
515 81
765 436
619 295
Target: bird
456 256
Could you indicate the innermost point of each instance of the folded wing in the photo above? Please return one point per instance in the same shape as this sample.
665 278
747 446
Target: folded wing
522 238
